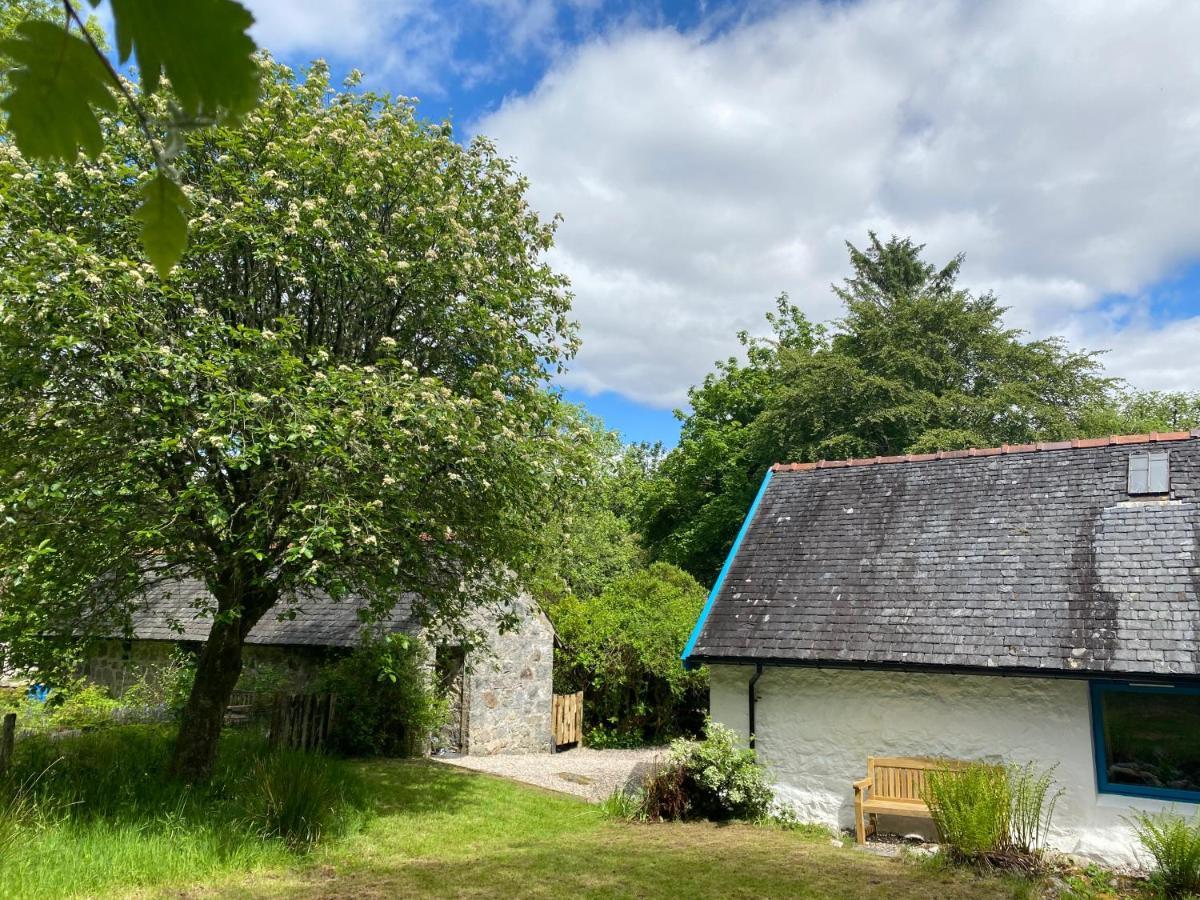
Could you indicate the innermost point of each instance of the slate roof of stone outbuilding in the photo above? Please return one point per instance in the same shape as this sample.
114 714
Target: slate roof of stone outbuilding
1030 558
181 611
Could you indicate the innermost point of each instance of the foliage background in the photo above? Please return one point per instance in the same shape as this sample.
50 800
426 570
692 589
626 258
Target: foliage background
915 364
622 647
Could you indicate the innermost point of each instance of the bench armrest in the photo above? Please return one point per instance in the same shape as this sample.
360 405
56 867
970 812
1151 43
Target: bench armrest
862 786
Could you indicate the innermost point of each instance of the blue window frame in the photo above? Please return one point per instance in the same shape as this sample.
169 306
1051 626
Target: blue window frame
1147 739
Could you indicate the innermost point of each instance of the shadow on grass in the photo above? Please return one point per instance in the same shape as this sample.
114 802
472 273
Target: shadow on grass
412 785
613 860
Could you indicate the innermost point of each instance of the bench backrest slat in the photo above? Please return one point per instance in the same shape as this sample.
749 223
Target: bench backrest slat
903 777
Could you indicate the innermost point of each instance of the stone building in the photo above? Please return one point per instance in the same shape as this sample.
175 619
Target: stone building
1021 603
500 693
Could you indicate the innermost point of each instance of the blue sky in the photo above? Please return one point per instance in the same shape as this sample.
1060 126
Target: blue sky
708 156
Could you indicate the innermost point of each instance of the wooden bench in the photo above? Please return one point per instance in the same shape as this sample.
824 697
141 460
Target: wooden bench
894 786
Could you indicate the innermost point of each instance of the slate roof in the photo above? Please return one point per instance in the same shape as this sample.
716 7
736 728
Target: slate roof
1017 559
181 611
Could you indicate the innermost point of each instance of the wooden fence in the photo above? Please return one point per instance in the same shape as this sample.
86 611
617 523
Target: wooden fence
246 707
567 718
302 721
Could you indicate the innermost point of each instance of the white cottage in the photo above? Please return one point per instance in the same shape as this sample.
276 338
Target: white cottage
1034 603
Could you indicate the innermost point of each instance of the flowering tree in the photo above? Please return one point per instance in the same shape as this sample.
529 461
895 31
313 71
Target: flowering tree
342 389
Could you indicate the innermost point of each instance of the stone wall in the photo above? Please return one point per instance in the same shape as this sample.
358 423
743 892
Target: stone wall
509 689
816 727
505 690
118 664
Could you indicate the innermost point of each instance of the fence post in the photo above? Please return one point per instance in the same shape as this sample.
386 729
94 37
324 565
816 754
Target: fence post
8 735
276 737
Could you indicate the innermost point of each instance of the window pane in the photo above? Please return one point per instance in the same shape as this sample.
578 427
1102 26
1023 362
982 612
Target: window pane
1139 473
1152 739
1159 478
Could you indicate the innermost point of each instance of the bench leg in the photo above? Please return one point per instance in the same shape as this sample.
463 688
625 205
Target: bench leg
860 829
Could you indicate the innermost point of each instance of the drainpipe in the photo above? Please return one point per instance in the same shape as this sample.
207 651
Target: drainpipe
758 670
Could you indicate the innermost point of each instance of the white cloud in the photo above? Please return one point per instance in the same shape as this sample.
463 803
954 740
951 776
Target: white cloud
346 27
412 45
406 42
1057 144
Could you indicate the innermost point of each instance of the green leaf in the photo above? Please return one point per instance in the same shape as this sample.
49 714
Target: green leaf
201 46
163 215
56 85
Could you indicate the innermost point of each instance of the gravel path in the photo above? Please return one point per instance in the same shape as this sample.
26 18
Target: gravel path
587 773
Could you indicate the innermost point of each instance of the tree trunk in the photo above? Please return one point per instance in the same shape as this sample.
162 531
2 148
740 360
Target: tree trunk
217 673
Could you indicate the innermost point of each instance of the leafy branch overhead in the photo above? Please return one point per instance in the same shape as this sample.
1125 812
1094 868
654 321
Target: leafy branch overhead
60 81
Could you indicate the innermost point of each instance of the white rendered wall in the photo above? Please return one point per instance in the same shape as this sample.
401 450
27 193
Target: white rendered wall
816 727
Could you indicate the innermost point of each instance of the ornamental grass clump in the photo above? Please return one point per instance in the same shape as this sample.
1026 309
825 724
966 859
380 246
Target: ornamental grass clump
1174 845
624 803
299 798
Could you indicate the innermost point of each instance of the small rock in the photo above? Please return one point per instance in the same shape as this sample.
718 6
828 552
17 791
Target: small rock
575 779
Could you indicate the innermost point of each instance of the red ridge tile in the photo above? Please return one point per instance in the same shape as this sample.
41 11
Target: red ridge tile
1155 437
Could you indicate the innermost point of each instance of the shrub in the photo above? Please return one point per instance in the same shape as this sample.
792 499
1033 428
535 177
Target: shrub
159 691
386 702
613 737
263 678
1174 845
724 780
163 686
711 779
31 710
82 705
298 797
992 813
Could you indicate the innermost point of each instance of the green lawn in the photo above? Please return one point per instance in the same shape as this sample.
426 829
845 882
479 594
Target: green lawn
442 832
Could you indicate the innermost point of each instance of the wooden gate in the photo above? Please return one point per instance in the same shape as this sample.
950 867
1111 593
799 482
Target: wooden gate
302 721
568 719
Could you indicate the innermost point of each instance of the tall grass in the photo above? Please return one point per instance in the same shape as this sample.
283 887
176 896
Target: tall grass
80 813
625 804
17 812
1174 845
298 798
